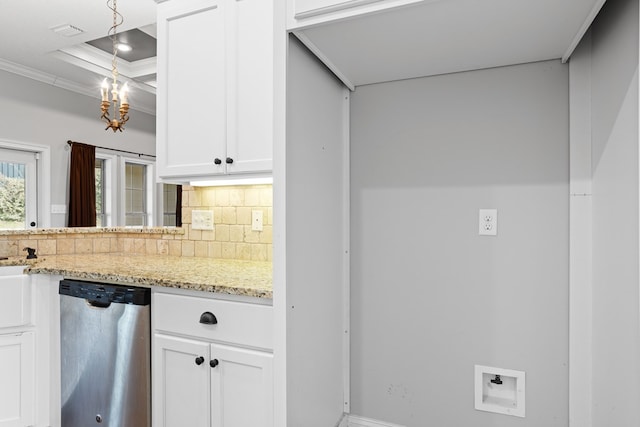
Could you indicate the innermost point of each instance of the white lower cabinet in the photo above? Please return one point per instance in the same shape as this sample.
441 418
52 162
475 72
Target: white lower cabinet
201 382
17 380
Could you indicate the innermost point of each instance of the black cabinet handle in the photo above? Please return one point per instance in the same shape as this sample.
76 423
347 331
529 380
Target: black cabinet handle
199 360
217 161
213 363
208 318
229 160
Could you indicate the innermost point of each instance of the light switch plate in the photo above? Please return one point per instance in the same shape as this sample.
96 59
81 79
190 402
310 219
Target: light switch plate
256 220
201 220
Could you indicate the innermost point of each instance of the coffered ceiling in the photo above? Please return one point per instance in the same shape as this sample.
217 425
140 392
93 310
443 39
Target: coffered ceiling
48 40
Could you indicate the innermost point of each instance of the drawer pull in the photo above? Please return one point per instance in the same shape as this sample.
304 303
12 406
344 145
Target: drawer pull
199 360
213 363
208 318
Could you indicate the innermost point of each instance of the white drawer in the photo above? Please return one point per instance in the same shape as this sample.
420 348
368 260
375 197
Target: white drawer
237 322
15 301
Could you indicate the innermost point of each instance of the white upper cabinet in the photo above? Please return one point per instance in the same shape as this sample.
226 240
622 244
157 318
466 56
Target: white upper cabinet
215 88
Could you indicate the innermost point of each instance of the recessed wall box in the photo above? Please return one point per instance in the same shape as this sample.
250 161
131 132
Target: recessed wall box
500 390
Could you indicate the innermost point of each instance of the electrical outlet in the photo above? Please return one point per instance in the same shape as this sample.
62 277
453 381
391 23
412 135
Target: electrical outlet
201 220
488 222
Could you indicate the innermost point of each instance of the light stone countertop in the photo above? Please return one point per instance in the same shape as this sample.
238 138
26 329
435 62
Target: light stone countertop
232 277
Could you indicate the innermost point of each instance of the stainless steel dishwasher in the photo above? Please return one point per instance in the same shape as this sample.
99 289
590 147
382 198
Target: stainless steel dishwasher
105 354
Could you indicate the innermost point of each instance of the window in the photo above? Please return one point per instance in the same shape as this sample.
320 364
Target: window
18 198
169 200
135 195
100 196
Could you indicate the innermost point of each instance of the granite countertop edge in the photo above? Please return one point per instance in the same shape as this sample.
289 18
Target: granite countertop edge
230 277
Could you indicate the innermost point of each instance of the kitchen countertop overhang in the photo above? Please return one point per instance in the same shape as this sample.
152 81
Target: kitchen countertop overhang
231 277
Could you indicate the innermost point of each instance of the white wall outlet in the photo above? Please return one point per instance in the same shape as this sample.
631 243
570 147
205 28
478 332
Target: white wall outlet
201 220
488 222
256 220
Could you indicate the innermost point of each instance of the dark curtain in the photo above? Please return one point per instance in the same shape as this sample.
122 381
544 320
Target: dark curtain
179 206
82 186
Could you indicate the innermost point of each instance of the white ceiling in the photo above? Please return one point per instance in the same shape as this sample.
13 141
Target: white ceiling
445 36
29 47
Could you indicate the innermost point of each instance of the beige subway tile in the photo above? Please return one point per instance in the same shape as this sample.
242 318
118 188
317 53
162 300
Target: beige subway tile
162 247
222 197
201 248
195 198
228 250
243 251
186 215
47 247
102 245
243 215
185 197
188 248
168 237
129 246
208 197
139 246
266 235
236 196
175 247
215 250
269 216
258 252
217 215
251 236
222 233
236 233
251 197
195 234
84 246
117 245
24 243
187 232
266 197
65 246
8 248
270 253
36 237
151 246
209 235
228 215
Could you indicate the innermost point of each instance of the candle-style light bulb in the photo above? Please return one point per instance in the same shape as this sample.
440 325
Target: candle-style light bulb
124 94
105 90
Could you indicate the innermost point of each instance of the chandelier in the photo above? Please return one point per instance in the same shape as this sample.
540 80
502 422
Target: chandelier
120 115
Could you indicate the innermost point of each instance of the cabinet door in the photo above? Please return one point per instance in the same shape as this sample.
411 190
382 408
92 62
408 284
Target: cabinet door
180 385
250 75
17 376
241 387
191 115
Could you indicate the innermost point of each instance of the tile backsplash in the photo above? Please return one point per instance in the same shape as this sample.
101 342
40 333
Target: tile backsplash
231 237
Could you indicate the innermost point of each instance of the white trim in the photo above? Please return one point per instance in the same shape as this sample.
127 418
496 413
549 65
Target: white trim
583 29
333 8
346 272
151 189
580 239
44 176
325 60
110 187
356 421
59 82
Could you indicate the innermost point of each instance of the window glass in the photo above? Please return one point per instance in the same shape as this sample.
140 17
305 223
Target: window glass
18 198
100 193
135 194
170 195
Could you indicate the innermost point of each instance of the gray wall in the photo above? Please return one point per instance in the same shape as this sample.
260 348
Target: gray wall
431 298
37 113
315 240
614 100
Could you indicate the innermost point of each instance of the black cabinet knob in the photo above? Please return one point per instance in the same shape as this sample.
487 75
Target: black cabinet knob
213 363
199 360
229 160
208 318
217 161
32 223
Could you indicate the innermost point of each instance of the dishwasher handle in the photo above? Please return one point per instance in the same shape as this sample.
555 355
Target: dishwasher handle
208 318
98 304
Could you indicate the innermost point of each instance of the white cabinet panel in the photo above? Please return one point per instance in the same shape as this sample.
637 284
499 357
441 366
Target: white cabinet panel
191 118
180 385
241 387
17 376
15 301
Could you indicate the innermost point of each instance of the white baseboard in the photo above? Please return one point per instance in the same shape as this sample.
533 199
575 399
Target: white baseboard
356 421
